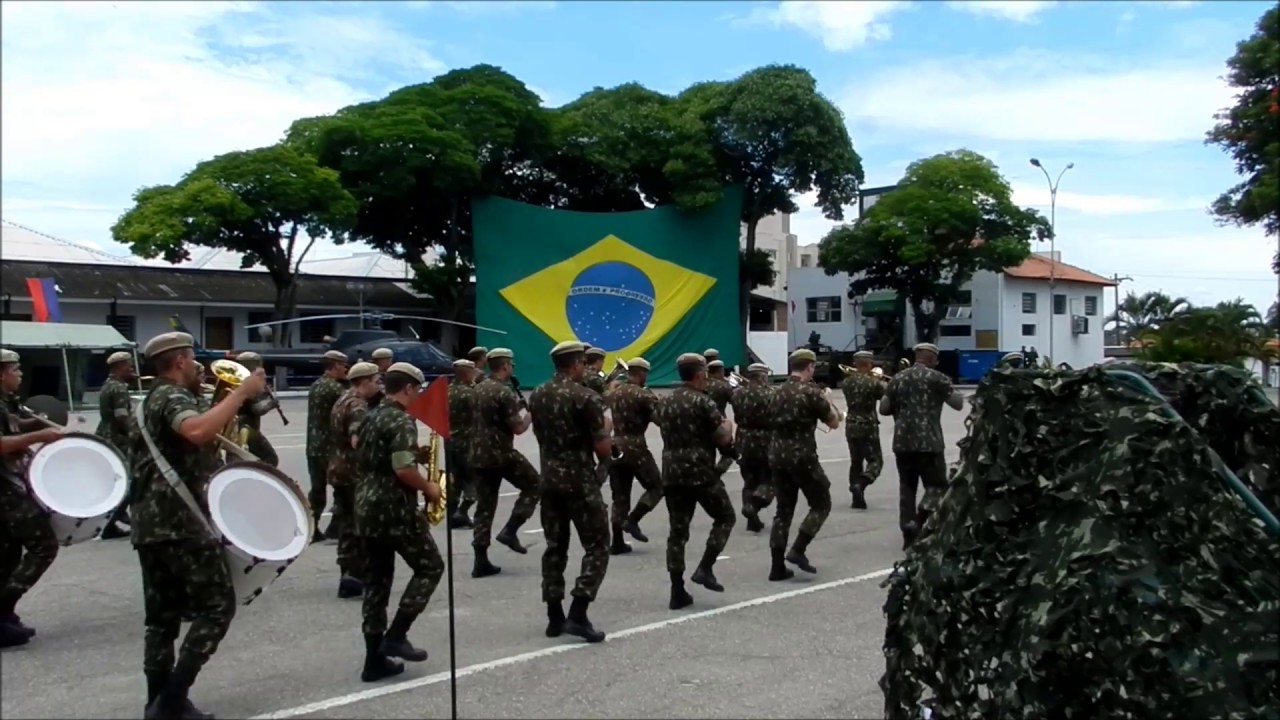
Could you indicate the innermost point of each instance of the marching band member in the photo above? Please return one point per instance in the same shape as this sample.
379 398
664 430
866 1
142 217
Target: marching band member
348 414
752 411
389 523
1012 360
382 358
493 458
720 392
28 545
258 443
692 430
461 422
184 570
593 377
321 397
914 398
862 391
480 356
793 459
568 421
115 413
710 355
633 407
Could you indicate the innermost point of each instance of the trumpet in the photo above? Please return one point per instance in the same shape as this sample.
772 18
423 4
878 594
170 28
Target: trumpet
847 369
620 368
436 511
834 409
879 373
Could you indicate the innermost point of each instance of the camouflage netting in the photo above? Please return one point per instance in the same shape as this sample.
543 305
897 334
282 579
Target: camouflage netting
1087 561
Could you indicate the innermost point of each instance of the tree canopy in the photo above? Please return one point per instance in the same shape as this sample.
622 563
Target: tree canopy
1225 334
950 216
1138 315
1250 131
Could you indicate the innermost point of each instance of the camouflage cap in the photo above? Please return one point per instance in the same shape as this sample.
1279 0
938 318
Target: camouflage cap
118 357
638 364
500 353
926 347
715 363
595 352
864 355
361 370
463 363
248 356
803 354
336 356
757 368
8 356
690 359
382 354
165 342
711 353
405 368
566 347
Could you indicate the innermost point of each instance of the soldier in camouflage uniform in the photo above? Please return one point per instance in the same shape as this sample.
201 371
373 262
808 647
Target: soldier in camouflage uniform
382 358
320 400
251 417
798 405
348 414
493 458
862 391
184 570
1012 360
752 411
480 356
461 422
389 523
28 545
115 413
721 393
594 376
633 407
915 398
568 421
710 355
692 429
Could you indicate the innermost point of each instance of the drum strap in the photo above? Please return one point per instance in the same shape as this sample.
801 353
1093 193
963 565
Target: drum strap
169 473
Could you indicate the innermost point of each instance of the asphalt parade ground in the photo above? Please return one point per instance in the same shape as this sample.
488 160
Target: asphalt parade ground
807 647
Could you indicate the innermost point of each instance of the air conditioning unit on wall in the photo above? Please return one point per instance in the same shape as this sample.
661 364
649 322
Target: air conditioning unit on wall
1079 325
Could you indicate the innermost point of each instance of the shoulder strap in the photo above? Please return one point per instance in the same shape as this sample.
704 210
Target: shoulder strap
170 475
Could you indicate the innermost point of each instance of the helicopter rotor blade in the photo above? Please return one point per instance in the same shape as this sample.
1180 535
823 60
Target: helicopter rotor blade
447 322
309 317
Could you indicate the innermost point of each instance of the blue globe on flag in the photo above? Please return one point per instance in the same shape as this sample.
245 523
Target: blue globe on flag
610 305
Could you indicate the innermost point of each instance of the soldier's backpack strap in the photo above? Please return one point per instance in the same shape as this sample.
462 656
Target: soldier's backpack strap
171 475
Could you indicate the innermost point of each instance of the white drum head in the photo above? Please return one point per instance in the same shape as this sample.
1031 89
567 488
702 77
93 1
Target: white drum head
258 513
79 476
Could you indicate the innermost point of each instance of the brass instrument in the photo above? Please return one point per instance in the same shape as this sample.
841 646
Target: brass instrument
735 380
847 370
620 368
436 511
229 374
903 364
879 373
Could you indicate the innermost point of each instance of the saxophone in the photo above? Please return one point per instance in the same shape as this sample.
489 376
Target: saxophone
435 511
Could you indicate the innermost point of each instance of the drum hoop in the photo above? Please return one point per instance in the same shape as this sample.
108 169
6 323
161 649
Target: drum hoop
39 457
275 474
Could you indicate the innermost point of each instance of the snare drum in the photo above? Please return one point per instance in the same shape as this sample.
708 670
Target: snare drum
265 522
80 479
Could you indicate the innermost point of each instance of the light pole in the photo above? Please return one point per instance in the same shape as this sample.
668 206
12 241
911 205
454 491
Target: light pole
1053 241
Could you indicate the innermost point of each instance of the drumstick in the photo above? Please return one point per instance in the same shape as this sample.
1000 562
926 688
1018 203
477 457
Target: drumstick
46 420
238 451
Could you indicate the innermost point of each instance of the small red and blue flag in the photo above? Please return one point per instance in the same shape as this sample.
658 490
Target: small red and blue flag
44 299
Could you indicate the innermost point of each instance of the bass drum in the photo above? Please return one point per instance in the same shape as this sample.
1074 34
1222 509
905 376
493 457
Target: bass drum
80 479
265 522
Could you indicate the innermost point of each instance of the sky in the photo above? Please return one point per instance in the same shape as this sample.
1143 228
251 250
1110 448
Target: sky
102 98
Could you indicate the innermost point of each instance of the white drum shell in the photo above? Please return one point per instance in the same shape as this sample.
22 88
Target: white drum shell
80 480
264 522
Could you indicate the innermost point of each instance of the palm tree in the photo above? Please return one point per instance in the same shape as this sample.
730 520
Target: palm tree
1137 315
1227 333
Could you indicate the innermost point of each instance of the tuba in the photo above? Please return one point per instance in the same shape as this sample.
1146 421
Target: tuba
435 511
228 374
620 368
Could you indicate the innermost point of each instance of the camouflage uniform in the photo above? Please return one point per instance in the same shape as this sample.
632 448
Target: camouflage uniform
28 545
320 400
862 428
493 457
348 414
793 459
633 408
916 396
752 410
688 420
115 410
594 381
184 570
462 411
568 422
720 392
389 522
258 443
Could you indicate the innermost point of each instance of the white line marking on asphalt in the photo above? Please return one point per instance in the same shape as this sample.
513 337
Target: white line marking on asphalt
284 435
442 677
529 532
509 494
722 557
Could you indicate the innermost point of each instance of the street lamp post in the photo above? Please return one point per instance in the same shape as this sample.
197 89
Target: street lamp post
1053 241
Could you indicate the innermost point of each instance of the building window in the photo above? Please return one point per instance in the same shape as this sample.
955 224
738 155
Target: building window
1091 305
314 331
1028 330
219 333
1029 303
955 330
126 325
806 260
1059 304
823 309
964 298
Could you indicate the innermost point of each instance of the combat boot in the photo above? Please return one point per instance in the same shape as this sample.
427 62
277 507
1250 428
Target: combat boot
12 636
797 557
632 527
172 701
619 545
350 588
319 535
909 533
14 621
396 642
508 537
577 623
156 680
482 567
459 520
857 490
376 665
779 570
555 618
754 523
680 598
703 575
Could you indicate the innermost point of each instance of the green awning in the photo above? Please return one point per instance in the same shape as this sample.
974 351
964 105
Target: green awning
880 302
15 334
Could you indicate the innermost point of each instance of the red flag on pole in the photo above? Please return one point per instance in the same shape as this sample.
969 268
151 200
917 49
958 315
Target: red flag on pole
431 407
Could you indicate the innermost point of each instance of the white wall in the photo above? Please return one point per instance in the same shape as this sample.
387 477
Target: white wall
773 235
809 282
1075 350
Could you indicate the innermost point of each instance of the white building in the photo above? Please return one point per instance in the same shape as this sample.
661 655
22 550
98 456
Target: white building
1002 311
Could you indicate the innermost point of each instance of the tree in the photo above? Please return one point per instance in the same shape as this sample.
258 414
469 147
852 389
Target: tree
1139 314
1250 131
270 205
774 134
950 216
1226 334
1273 318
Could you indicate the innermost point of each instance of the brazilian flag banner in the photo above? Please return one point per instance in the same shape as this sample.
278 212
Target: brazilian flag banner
651 283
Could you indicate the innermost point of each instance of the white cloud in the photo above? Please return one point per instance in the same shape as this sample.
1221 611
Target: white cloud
1037 96
1038 196
842 26
1016 10
491 7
